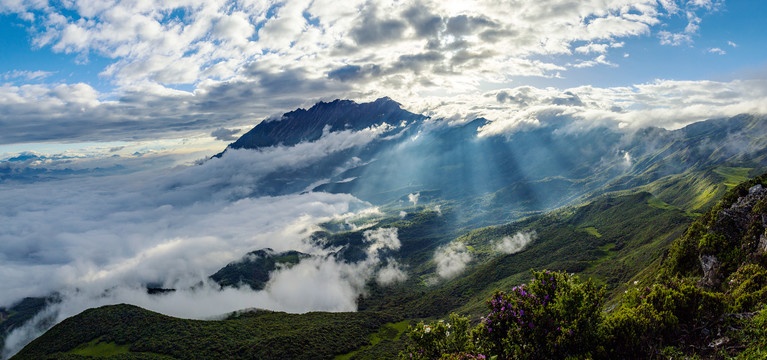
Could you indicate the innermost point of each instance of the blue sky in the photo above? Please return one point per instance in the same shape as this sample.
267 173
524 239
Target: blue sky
80 73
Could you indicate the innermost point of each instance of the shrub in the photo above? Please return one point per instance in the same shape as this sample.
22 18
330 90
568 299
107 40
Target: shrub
748 287
433 340
554 316
651 316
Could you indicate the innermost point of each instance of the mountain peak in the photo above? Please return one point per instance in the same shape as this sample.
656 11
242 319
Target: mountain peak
308 125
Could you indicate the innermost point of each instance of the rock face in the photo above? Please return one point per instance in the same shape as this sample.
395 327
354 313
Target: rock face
711 274
740 236
762 249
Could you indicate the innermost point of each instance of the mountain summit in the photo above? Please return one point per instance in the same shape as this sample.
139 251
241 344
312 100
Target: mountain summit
308 125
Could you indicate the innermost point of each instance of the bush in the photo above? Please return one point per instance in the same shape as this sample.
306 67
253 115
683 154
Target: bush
652 316
748 287
432 341
555 316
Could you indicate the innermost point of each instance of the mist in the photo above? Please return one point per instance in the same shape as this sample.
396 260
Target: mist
514 244
98 240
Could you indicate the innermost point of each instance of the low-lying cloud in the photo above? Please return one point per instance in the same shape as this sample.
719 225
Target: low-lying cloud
175 227
517 242
451 260
391 273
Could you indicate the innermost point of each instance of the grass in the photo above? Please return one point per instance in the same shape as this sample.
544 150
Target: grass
97 348
390 331
592 231
733 175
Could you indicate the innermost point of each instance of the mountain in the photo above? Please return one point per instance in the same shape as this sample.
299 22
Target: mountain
254 268
606 203
500 178
309 125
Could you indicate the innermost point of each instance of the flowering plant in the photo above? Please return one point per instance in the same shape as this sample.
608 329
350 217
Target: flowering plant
554 316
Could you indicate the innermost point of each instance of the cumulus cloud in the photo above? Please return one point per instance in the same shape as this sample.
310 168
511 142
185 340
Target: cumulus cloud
514 244
451 260
247 61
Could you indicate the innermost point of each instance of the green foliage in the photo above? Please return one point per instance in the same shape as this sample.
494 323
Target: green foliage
711 243
259 335
253 270
101 349
651 316
389 335
554 316
431 341
748 287
755 337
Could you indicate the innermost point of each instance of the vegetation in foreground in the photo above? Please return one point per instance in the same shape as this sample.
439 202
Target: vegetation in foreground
708 299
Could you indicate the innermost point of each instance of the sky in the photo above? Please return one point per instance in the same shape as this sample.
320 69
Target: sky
185 76
108 107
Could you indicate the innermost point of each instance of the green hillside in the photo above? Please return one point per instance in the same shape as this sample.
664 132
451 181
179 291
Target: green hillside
129 332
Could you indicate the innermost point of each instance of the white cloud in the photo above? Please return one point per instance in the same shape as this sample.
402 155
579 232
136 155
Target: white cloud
662 103
381 238
592 48
451 260
674 39
27 75
627 160
413 198
177 227
126 228
601 59
717 51
732 44
514 244
249 60
391 273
